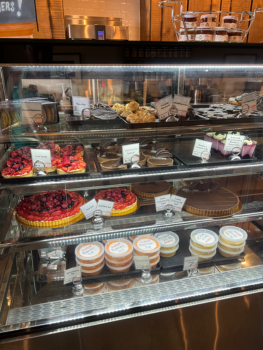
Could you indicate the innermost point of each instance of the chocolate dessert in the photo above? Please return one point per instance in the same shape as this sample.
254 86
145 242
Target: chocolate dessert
151 189
162 158
113 165
209 199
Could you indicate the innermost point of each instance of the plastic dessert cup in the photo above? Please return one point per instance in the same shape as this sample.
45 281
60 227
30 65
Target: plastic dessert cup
119 285
230 248
204 252
89 253
228 254
114 269
118 250
154 265
206 270
96 288
168 254
168 240
146 245
229 267
152 259
232 235
113 263
246 149
90 267
132 238
202 257
204 239
91 273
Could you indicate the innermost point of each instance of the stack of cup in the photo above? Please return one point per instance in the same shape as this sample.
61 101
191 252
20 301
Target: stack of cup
132 238
231 241
90 256
203 243
119 285
118 255
169 243
149 246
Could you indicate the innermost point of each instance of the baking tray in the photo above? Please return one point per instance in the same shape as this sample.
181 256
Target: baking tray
97 123
183 152
49 176
176 262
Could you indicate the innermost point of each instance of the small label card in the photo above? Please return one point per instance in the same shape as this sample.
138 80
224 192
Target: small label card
128 151
29 110
89 208
140 262
233 142
163 106
105 207
69 274
249 102
162 201
177 202
79 103
180 105
190 263
202 149
41 158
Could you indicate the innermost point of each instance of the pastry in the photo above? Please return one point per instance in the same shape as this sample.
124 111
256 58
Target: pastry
55 158
103 157
49 145
22 169
105 146
135 114
102 111
72 150
151 189
113 165
50 209
162 158
209 199
67 166
17 160
124 200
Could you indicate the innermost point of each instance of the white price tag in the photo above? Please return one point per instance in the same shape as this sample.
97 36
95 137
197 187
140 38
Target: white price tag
52 267
162 201
29 110
234 141
202 149
41 158
140 262
55 254
89 208
163 106
71 273
249 102
105 207
79 103
128 151
190 262
177 202
180 105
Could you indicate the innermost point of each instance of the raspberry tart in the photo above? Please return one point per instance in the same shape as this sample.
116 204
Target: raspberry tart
124 200
67 166
17 160
73 149
55 159
50 209
23 152
49 145
22 169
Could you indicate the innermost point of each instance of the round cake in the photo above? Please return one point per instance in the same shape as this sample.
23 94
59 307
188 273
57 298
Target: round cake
209 199
124 200
66 166
50 209
22 169
151 189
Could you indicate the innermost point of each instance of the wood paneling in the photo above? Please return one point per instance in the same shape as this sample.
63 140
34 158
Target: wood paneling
256 31
156 20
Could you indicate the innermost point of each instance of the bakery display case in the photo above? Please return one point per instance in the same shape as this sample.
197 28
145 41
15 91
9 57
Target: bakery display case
127 190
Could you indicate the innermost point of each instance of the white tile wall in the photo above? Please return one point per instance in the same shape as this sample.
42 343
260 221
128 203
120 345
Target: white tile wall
128 10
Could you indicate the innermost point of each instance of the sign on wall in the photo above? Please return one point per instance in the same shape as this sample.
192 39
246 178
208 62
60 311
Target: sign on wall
17 11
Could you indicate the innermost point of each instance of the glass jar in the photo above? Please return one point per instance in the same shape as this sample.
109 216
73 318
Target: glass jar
230 22
183 37
204 34
190 21
208 20
235 36
221 34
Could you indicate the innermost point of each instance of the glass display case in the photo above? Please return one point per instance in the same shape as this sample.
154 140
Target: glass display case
144 180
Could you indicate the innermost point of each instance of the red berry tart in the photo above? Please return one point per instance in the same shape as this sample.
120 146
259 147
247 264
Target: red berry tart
23 152
22 169
50 209
73 149
55 159
16 160
69 166
49 145
124 200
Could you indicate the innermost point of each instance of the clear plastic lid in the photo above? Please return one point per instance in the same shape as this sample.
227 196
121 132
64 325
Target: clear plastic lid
223 29
119 268
118 248
92 271
209 15
89 251
90 265
204 237
146 244
190 15
120 283
155 263
93 286
167 239
230 17
151 257
202 250
231 246
233 234
231 253
169 251
202 256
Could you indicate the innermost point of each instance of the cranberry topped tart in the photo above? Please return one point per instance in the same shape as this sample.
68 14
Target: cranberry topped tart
50 209
22 169
124 200
66 166
69 149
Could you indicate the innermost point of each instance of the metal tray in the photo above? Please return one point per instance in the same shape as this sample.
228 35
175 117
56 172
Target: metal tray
49 176
176 262
183 152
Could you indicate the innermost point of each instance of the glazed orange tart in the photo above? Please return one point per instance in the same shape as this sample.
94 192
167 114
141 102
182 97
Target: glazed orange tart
67 166
124 200
22 169
50 209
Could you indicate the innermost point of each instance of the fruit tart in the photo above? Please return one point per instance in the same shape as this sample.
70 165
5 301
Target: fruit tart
124 200
67 166
73 149
49 145
23 152
22 169
55 159
17 160
50 209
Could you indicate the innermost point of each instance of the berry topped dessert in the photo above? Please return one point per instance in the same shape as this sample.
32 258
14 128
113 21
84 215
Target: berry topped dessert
23 152
67 165
124 200
15 169
16 160
70 149
50 209
49 145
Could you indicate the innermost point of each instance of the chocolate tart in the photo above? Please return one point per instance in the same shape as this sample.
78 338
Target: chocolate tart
214 202
112 165
153 162
151 189
107 157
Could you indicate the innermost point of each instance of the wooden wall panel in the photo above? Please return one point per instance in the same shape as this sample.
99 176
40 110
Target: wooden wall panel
156 20
43 18
256 32
239 6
